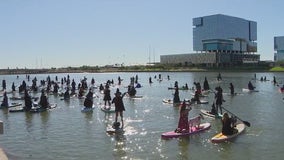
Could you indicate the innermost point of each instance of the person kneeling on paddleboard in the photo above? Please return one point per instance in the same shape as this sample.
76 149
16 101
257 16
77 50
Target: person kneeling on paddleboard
229 124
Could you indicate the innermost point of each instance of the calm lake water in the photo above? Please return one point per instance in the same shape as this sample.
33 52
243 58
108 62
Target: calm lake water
65 133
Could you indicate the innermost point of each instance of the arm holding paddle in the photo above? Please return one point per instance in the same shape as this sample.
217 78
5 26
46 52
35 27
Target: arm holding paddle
245 122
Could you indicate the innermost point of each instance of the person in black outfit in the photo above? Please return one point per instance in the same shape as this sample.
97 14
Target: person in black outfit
5 100
228 125
89 99
219 99
107 97
206 84
119 106
250 86
13 87
232 89
176 96
67 94
43 102
28 101
131 91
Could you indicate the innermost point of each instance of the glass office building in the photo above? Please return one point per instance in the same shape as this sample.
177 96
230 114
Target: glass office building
222 33
220 40
279 48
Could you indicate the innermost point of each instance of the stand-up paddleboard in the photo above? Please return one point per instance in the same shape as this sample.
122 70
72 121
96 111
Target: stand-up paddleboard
17 98
38 109
17 109
229 94
193 130
13 104
220 137
208 114
200 102
200 95
248 90
67 99
168 101
181 88
115 129
87 109
135 97
107 109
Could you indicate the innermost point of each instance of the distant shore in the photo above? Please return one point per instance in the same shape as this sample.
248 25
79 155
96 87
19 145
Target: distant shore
136 69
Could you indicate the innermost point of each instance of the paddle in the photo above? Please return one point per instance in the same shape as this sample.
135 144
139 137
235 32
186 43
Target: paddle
245 122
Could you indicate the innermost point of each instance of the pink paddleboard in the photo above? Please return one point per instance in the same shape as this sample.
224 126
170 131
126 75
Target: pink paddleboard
173 134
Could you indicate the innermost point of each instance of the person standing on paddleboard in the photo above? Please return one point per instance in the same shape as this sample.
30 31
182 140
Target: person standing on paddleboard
5 100
88 103
107 97
43 102
183 126
176 96
28 101
119 106
219 99
232 89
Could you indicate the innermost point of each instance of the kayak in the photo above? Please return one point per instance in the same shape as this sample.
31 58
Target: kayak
106 110
193 130
218 138
208 114
248 90
87 109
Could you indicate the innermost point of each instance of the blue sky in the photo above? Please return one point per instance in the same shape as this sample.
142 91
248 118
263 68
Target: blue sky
62 33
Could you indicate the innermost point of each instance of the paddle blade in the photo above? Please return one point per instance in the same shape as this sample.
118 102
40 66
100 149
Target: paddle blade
246 123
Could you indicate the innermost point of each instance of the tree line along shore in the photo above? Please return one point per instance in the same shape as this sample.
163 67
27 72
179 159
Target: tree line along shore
142 68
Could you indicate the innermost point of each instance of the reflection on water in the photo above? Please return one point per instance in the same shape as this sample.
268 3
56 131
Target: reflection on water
28 120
